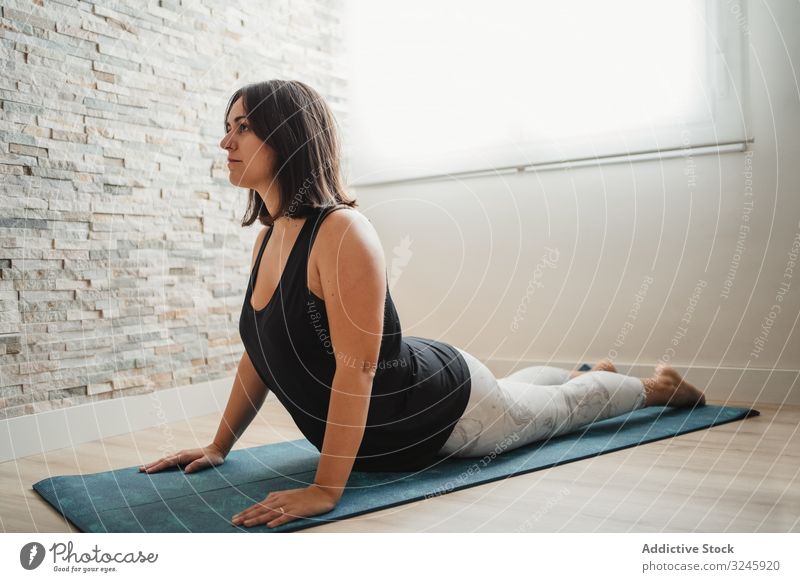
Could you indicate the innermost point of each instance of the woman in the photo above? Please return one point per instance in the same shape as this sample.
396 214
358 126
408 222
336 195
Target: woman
320 330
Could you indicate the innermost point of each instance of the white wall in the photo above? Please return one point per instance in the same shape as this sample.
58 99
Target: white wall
470 269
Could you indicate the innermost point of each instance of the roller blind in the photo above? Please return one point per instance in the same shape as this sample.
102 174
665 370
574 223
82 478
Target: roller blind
454 86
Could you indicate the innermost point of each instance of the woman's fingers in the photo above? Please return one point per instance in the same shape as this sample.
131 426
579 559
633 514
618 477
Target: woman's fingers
196 464
194 459
266 507
152 467
265 511
162 463
259 515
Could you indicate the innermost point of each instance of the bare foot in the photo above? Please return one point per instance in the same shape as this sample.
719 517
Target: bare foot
604 365
667 388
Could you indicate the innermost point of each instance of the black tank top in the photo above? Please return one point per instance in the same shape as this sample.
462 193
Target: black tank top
420 389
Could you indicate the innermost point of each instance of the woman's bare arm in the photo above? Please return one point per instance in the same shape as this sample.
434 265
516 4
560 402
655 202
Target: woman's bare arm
248 392
353 277
247 396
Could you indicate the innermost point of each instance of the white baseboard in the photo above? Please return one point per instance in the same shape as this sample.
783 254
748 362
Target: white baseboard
47 431
55 429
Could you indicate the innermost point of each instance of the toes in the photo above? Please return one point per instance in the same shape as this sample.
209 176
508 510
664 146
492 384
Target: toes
609 365
605 365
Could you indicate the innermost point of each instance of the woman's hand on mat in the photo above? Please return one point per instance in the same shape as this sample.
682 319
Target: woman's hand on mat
194 459
306 502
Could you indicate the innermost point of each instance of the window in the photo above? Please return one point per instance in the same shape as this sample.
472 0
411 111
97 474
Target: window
460 86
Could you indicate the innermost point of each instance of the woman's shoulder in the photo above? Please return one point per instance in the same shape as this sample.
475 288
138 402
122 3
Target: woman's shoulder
339 220
348 249
346 227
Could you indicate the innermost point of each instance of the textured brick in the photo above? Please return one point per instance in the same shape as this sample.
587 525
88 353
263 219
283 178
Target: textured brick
120 257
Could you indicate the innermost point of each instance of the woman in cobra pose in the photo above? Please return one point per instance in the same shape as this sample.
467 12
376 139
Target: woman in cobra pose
320 330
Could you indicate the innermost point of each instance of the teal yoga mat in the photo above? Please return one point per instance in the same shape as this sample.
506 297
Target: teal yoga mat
126 500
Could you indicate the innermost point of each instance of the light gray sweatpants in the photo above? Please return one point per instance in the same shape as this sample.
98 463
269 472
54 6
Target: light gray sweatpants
535 403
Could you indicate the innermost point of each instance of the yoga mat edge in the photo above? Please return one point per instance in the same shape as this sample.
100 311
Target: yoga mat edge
419 479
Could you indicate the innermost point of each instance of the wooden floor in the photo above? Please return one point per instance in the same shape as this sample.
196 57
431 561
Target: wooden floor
738 477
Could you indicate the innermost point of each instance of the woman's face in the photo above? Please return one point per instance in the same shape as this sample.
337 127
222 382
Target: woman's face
252 167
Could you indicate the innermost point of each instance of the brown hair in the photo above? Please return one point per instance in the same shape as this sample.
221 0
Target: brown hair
297 123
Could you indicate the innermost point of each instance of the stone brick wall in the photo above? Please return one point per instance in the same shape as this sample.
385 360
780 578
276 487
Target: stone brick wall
122 261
